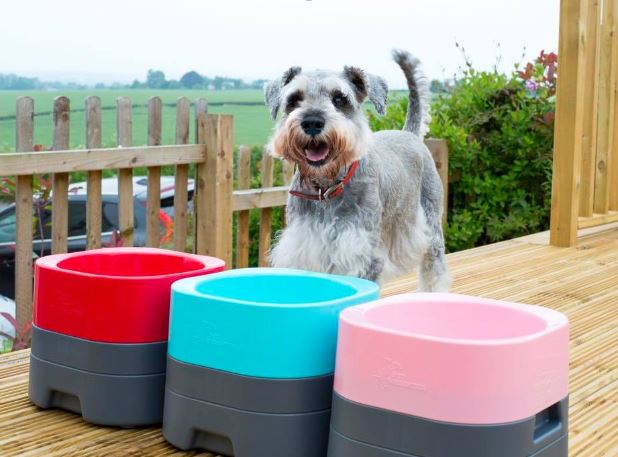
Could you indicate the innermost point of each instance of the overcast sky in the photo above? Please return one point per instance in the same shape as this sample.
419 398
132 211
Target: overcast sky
118 40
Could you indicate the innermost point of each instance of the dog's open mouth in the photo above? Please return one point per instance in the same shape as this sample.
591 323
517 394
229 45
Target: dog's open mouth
316 152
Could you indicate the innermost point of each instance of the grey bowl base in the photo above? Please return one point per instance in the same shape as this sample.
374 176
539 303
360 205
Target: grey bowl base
359 430
123 401
189 424
341 446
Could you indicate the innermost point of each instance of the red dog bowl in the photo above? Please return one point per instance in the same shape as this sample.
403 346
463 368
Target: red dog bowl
114 295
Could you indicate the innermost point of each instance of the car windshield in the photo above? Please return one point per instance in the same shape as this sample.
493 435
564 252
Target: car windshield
7 226
42 220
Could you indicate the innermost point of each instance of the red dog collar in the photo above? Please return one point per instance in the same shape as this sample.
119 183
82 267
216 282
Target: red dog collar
333 191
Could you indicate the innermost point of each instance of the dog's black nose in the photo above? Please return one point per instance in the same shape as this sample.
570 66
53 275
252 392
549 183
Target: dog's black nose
312 125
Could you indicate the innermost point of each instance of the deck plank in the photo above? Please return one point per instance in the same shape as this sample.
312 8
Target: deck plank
581 281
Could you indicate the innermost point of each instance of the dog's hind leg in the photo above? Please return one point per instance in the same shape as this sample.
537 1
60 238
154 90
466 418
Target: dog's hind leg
433 273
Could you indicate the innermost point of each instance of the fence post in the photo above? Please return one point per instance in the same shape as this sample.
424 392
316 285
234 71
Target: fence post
591 95
213 212
124 138
60 202
181 177
23 214
201 111
242 223
605 121
569 123
613 163
439 152
266 214
94 206
153 193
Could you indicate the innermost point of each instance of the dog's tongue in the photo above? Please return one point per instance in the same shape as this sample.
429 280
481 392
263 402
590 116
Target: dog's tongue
316 153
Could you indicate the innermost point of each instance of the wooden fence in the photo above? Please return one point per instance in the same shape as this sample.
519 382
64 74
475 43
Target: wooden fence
585 178
214 202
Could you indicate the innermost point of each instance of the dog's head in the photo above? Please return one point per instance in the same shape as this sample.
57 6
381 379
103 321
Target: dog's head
323 126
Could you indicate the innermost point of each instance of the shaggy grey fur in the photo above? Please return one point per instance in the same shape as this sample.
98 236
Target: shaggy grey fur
388 219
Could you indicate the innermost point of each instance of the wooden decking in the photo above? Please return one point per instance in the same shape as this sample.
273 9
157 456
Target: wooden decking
582 282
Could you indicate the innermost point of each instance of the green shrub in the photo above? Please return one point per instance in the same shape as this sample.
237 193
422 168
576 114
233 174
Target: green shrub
499 130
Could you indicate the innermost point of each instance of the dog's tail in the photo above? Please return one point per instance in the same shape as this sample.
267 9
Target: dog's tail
418 118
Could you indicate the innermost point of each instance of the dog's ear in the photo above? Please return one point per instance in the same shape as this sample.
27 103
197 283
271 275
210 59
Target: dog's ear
356 77
272 90
378 93
365 84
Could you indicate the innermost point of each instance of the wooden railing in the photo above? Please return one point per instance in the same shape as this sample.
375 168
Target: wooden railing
585 178
211 157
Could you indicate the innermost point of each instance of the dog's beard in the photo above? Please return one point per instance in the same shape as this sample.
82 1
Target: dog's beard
294 145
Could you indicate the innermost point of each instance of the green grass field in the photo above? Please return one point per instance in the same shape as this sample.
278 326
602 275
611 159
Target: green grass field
252 124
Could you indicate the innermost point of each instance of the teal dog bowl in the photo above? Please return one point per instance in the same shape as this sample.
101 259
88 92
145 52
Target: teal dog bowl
251 356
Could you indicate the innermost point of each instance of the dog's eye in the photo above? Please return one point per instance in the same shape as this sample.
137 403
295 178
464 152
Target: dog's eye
293 101
339 100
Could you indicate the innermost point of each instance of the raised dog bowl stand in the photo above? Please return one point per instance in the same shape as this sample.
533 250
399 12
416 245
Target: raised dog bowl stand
443 375
99 339
251 360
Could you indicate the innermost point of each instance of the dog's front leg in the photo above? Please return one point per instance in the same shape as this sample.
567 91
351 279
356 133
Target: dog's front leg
375 269
354 251
350 249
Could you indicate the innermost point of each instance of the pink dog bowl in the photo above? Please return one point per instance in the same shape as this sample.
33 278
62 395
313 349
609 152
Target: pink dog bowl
453 364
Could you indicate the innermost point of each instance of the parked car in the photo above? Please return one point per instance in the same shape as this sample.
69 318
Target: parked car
76 240
6 329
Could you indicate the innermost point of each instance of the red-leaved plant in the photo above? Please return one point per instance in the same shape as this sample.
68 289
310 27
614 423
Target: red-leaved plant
21 340
540 76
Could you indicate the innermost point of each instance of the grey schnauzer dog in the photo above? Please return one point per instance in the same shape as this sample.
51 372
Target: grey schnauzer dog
361 204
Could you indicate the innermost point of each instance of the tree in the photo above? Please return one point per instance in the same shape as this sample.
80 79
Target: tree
15 82
218 82
192 80
155 79
258 84
437 86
